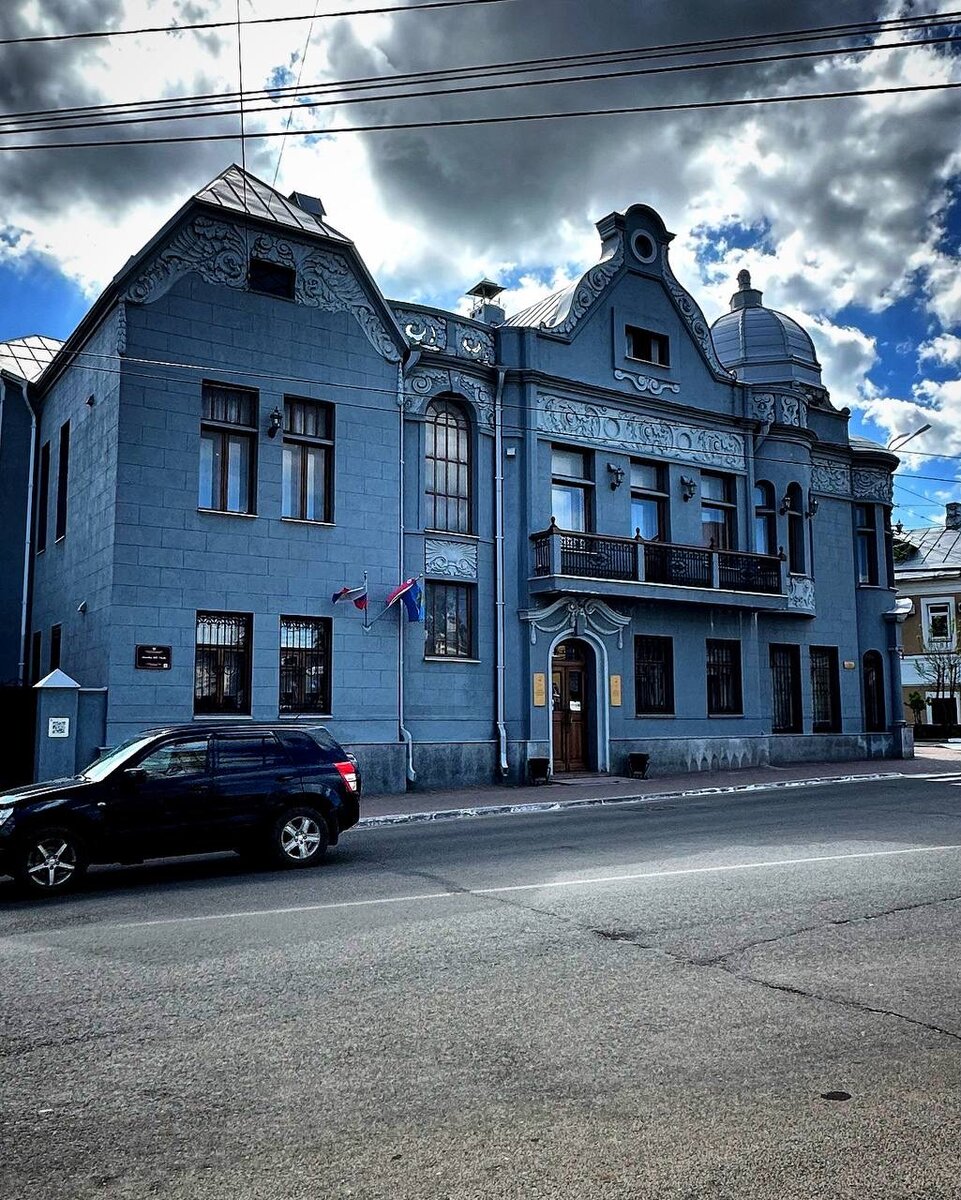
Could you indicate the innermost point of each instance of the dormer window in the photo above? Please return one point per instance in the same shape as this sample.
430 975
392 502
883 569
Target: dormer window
271 279
647 346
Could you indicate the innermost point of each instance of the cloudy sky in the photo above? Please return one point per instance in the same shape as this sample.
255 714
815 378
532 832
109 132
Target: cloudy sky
847 211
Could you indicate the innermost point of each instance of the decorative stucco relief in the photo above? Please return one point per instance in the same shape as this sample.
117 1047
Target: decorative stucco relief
219 253
831 477
646 383
872 483
589 288
791 411
425 382
450 560
423 331
475 344
121 326
578 615
800 593
689 310
771 407
762 407
633 431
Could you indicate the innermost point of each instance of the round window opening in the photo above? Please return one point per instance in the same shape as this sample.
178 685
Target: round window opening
644 248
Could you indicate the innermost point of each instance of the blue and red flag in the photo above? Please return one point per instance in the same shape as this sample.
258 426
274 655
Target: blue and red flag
413 598
357 595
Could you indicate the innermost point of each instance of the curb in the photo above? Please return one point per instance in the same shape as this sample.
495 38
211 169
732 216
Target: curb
500 810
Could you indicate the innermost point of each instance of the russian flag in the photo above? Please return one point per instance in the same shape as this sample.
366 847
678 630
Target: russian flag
358 595
409 591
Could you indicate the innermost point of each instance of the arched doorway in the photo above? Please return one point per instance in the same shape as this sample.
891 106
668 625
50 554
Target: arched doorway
572 715
873 671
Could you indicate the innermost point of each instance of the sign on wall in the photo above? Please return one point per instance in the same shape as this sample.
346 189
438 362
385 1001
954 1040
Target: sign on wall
153 658
540 690
615 691
58 727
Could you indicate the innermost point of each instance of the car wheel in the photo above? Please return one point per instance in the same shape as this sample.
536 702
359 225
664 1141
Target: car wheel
50 861
299 838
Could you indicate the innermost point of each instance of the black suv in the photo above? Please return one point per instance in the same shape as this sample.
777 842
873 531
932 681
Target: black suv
280 793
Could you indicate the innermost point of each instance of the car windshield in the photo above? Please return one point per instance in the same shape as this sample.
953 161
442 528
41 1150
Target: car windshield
115 758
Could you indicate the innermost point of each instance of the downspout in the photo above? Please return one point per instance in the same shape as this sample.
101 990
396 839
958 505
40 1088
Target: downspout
499 569
27 540
403 732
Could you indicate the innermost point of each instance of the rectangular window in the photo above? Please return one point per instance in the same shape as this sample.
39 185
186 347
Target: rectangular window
56 640
653 675
308 478
724 677
649 501
43 496
825 689
36 655
305 664
647 346
63 466
786 689
866 543
937 622
271 279
222 665
571 489
228 448
449 617
718 512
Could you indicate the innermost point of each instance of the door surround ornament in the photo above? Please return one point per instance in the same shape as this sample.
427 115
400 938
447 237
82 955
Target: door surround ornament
576 616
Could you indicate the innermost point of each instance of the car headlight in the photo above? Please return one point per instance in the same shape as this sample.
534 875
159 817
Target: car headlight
6 812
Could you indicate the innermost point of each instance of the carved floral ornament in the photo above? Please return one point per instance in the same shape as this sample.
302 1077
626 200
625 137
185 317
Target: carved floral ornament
831 477
219 252
426 331
647 383
872 483
634 431
579 615
449 559
800 593
424 383
777 407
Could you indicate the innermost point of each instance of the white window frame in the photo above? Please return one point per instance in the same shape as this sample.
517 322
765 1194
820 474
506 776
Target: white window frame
927 603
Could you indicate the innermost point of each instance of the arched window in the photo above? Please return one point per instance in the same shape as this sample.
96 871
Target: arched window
448 468
797 559
873 677
765 519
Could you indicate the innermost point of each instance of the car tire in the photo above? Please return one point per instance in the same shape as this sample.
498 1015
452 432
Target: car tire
299 838
50 861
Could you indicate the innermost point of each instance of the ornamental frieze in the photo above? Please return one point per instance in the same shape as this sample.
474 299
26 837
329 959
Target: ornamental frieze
834 478
450 560
423 383
633 431
872 483
579 615
647 383
219 253
771 407
422 330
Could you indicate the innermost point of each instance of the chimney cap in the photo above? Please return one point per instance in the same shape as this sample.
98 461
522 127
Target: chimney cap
485 290
952 515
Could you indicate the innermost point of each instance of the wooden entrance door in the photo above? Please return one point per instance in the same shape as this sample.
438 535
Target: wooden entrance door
569 706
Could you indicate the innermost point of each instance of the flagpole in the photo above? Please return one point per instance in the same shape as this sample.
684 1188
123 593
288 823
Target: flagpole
367 605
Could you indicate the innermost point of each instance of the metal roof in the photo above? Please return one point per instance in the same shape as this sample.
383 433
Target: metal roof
238 191
28 357
547 313
933 548
752 335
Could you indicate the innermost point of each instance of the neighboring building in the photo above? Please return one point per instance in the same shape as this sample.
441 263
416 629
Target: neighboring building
928 574
632 536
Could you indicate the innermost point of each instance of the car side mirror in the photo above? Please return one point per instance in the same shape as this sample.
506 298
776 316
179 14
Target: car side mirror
133 777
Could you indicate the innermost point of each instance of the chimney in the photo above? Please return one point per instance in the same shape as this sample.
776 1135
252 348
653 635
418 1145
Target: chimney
483 308
310 204
952 516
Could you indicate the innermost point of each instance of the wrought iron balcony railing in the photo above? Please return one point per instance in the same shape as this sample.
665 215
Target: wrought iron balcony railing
599 556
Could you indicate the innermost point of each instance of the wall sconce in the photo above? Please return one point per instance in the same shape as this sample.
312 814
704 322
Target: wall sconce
274 422
617 476
785 503
688 488
813 505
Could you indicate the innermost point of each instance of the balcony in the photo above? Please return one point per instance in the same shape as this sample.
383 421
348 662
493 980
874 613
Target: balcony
629 567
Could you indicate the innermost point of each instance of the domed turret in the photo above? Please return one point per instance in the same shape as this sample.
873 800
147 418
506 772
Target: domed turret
761 345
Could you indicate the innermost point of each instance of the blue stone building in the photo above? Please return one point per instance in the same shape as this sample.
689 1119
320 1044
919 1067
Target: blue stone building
633 534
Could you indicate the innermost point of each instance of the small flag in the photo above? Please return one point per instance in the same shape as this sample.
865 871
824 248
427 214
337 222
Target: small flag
409 591
358 595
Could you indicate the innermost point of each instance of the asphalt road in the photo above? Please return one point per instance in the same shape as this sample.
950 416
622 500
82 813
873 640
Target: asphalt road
651 1000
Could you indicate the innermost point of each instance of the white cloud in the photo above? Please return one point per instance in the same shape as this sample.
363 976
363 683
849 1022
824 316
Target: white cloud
943 350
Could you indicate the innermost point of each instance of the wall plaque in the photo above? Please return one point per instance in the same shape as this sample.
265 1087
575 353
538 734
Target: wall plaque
540 690
153 658
615 691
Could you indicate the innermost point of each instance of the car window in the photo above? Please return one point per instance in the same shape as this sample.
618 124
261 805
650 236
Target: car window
304 750
250 753
101 767
176 760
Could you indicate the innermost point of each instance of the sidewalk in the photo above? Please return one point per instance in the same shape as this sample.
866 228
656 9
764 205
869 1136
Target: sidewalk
389 809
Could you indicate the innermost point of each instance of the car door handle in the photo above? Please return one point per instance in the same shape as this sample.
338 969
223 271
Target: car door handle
286 778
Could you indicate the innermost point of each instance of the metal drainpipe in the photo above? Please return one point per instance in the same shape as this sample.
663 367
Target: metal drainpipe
406 365
499 567
27 541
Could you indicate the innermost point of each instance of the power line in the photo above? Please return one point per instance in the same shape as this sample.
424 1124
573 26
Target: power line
86 35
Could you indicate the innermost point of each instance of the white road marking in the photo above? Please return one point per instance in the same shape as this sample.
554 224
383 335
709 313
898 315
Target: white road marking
591 881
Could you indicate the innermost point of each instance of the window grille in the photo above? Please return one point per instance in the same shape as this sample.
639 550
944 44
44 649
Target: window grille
653 675
448 612
222 664
305 664
785 689
724 678
825 689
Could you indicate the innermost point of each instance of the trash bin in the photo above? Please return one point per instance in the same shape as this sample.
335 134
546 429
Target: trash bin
637 765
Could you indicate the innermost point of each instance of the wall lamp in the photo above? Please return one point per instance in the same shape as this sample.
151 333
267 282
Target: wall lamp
617 476
688 488
274 422
785 503
813 505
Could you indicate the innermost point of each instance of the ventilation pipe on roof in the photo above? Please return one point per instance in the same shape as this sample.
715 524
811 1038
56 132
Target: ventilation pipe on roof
483 307
952 516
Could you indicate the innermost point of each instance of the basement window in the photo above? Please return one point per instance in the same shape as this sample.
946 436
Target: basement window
272 279
647 346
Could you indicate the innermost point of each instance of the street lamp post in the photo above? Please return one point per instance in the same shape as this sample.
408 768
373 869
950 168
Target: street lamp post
902 439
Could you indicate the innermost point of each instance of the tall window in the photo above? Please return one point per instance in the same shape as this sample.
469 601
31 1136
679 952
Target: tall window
448 468
866 543
649 501
222 665
43 496
570 489
305 664
718 512
873 679
56 643
647 346
449 617
653 675
308 491
228 445
795 529
825 689
786 689
63 466
765 519
724 677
